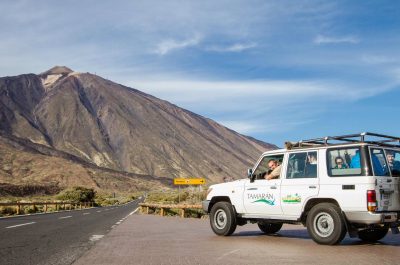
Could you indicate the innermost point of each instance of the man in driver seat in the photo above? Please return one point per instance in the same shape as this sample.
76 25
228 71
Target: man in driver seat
275 170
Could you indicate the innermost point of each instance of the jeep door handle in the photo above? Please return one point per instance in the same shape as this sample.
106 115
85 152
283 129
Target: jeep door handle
273 187
252 189
312 187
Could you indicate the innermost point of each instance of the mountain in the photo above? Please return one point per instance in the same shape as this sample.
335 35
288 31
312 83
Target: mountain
120 128
39 169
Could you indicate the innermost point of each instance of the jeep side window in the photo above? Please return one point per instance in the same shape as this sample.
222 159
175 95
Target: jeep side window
379 162
344 162
302 165
262 169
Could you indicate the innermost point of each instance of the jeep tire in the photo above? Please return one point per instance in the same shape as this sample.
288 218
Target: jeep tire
325 224
223 219
373 234
269 228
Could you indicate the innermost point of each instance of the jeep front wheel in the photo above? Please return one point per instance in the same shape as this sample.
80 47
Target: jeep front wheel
325 224
373 234
223 219
270 228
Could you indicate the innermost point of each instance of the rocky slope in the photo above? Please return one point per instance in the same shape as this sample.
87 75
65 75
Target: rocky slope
28 165
120 128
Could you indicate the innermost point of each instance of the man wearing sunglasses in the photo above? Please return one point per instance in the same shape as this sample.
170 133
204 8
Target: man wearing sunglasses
275 170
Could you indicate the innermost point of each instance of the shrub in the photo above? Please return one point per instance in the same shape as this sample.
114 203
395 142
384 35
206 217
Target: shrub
77 194
31 209
7 210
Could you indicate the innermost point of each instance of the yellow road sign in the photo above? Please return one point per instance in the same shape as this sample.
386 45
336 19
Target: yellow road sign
181 181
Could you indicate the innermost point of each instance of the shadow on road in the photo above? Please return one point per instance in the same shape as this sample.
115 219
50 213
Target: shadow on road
389 240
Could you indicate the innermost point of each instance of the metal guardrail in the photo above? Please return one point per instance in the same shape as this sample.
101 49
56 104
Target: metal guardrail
145 207
60 205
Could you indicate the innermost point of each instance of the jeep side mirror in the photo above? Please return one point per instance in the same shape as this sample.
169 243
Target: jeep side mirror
249 172
250 175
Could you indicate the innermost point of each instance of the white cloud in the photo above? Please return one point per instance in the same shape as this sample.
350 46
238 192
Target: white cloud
169 45
258 106
237 47
321 39
262 126
191 91
377 59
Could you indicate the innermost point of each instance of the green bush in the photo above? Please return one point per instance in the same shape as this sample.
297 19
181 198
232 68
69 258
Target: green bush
7 210
77 194
31 209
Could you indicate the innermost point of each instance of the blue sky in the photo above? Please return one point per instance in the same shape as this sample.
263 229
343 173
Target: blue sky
274 70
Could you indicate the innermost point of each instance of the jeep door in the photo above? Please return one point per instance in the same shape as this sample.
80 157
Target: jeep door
300 182
386 168
262 197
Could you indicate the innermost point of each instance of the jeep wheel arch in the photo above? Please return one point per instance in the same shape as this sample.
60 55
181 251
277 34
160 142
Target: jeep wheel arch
311 203
216 199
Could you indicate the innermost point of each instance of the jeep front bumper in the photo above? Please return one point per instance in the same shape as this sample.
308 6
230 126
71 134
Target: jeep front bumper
371 218
205 205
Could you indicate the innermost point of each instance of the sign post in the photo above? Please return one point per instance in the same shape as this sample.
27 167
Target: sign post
182 181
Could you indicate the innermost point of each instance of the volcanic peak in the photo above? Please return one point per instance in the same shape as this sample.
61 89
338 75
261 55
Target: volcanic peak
57 70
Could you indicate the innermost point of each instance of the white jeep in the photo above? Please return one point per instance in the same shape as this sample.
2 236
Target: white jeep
331 185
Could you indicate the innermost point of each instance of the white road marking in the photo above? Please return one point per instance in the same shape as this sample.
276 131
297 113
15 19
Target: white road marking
117 223
12 226
85 213
99 211
134 211
96 237
228 253
65 217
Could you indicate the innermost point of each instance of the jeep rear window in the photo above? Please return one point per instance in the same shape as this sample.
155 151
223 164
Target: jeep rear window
378 162
344 162
393 160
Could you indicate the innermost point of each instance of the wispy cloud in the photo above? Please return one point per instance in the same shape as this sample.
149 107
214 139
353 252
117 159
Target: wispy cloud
169 45
321 39
237 47
255 126
377 59
276 92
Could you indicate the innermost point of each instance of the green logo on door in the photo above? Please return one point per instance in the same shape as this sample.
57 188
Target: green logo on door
269 202
292 198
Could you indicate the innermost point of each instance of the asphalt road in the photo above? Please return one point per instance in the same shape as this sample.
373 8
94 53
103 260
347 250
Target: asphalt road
146 239
57 238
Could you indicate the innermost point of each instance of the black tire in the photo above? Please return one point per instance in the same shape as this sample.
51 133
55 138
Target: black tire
270 228
325 224
372 234
223 219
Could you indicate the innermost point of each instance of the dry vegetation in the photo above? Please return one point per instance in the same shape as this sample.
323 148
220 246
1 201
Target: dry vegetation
75 195
188 196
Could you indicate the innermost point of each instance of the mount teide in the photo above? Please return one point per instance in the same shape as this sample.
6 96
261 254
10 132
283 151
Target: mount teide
117 127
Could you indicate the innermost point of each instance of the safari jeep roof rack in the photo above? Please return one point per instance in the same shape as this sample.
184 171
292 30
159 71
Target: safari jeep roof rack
365 137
